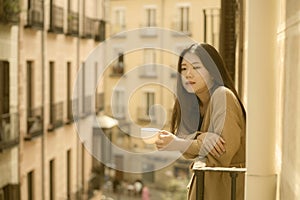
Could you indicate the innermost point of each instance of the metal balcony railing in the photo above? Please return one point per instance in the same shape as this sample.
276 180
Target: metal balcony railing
56 116
147 30
72 111
145 114
10 191
100 30
56 19
200 177
9 130
35 15
118 69
35 18
35 122
99 102
87 106
9 11
73 23
88 28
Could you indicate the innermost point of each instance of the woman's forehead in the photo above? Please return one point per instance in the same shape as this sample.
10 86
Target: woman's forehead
191 58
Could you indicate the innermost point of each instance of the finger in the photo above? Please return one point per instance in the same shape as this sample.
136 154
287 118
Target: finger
218 149
209 147
163 133
215 153
221 146
222 140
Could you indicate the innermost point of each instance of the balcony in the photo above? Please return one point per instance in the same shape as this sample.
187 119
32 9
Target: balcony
99 102
56 19
35 123
88 28
10 191
117 69
100 30
9 11
72 111
148 70
56 116
145 115
73 23
35 16
9 130
87 106
147 31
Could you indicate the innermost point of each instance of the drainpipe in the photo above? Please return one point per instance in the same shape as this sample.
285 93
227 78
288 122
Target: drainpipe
78 102
43 101
261 30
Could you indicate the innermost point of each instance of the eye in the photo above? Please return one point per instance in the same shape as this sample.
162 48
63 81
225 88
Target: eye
197 67
183 68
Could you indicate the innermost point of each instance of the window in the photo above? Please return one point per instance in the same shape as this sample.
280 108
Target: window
118 67
211 22
150 16
30 185
119 20
149 62
118 105
184 19
150 99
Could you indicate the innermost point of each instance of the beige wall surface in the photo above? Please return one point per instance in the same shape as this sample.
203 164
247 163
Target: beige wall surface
290 166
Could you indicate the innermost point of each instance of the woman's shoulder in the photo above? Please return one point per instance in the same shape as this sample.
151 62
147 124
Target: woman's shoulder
223 96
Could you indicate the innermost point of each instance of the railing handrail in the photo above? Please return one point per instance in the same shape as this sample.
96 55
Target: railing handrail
222 169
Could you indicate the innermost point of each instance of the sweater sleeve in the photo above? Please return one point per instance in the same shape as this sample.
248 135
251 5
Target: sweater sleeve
225 122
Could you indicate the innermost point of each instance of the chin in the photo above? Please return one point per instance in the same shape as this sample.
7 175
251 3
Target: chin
189 90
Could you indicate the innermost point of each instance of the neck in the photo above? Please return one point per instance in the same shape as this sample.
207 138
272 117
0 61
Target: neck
204 96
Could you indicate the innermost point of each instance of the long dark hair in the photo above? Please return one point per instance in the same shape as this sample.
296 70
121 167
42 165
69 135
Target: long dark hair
186 114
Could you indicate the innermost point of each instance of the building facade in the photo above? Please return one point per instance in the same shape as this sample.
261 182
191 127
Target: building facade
43 47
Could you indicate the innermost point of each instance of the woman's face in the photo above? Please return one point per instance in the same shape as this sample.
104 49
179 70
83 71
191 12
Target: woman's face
195 76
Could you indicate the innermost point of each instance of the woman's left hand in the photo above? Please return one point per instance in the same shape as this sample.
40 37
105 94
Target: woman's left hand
165 138
169 142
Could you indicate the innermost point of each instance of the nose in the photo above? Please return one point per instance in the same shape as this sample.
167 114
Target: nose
188 73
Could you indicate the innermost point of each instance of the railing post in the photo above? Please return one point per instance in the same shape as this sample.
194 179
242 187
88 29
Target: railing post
200 184
200 175
233 176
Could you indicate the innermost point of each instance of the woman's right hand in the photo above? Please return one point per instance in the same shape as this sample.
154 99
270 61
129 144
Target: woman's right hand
213 144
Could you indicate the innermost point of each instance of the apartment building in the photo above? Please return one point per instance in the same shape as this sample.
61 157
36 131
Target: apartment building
44 44
9 97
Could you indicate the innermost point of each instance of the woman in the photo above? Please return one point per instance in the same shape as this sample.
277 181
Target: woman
208 111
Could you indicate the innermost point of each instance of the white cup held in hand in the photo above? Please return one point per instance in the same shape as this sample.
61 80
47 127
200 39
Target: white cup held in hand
149 135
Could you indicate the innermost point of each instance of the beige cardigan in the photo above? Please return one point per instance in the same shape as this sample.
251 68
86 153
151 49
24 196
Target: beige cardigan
223 116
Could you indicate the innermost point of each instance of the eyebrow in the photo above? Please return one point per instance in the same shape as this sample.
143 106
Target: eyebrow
192 63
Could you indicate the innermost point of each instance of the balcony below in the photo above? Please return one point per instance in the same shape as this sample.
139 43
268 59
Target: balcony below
9 130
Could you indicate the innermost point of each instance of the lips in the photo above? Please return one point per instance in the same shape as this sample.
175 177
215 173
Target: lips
190 82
